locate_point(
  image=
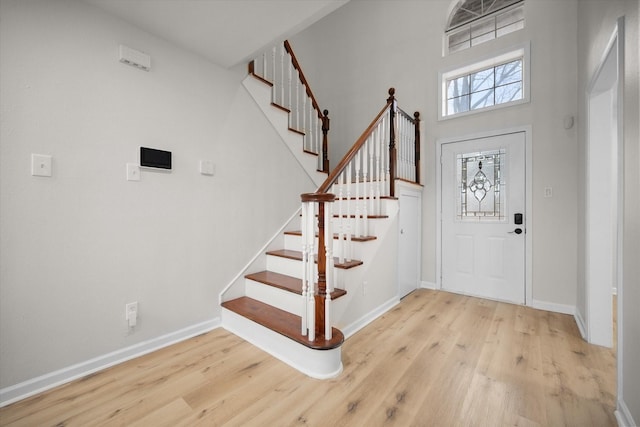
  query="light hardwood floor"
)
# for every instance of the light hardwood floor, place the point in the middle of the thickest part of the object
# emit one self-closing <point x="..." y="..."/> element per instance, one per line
<point x="436" y="359"/>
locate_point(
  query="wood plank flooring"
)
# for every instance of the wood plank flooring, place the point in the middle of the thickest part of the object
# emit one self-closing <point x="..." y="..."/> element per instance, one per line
<point x="436" y="359"/>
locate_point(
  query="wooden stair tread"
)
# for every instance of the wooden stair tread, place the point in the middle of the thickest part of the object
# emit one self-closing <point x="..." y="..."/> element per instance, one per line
<point x="287" y="283"/>
<point x="335" y="236"/>
<point x="282" y="322"/>
<point x="297" y="255"/>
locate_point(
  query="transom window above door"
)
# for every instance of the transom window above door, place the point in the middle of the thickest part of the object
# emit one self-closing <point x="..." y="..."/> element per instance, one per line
<point x="473" y="22"/>
<point x="496" y="82"/>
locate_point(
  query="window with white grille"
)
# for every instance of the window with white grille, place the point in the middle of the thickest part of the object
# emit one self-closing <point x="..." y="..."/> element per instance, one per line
<point x="477" y="21"/>
<point x="493" y="83"/>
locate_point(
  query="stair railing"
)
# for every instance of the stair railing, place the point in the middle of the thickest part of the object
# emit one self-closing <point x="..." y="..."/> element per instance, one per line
<point x="365" y="175"/>
<point x="292" y="93"/>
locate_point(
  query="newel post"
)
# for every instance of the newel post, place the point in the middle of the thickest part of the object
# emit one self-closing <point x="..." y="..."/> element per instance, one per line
<point x="320" y="293"/>
<point x="325" y="141"/>
<point x="416" y="116"/>
<point x="392" y="142"/>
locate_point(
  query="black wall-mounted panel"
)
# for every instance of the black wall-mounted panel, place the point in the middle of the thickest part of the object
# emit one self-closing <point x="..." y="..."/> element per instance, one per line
<point x="152" y="158"/>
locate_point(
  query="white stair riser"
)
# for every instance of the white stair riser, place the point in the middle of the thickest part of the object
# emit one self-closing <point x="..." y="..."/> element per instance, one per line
<point x="316" y="364"/>
<point x="294" y="242"/>
<point x="284" y="300"/>
<point x="290" y="267"/>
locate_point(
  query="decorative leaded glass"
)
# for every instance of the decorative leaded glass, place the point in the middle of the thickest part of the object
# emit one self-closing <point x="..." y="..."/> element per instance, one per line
<point x="481" y="186"/>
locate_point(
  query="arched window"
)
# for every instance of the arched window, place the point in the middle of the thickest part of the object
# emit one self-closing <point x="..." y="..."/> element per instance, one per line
<point x="472" y="22"/>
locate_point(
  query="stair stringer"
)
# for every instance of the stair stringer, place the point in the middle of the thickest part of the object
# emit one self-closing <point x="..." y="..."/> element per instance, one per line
<point x="236" y="287"/>
<point x="279" y="119"/>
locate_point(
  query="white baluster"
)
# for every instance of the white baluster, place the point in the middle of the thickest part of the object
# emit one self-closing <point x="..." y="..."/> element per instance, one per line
<point x="341" y="222"/>
<point x="379" y="130"/>
<point x="372" y="201"/>
<point x="304" y="118"/>
<point x="311" y="303"/>
<point x="273" y="65"/>
<point x="383" y="152"/>
<point x="347" y="245"/>
<point x="305" y="265"/>
<point x="388" y="154"/>
<point x="328" y="233"/>
<point x="297" y="109"/>
<point x="358" y="221"/>
<point x="282" y="53"/>
<point x="264" y="66"/>
<point x="290" y="83"/>
<point x="365" y="173"/>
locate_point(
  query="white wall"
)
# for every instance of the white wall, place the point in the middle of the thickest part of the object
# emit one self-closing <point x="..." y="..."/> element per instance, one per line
<point x="74" y="248"/>
<point x="354" y="55"/>
<point x="597" y="20"/>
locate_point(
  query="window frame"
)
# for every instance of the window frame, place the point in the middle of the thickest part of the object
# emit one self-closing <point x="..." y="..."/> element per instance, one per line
<point x="493" y="16"/>
<point x="510" y="55"/>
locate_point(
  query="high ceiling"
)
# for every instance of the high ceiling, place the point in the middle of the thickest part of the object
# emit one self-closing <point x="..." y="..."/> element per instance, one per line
<point x="226" y="32"/>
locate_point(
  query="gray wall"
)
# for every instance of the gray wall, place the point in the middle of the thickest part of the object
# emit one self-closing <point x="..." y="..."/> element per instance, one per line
<point x="597" y="20"/>
<point x="74" y="248"/>
<point x="354" y="55"/>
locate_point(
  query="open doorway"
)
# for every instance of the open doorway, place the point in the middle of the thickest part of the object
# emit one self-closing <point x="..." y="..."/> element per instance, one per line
<point x="603" y="195"/>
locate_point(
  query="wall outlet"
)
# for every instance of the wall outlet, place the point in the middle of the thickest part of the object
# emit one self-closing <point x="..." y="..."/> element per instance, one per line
<point x="131" y="313"/>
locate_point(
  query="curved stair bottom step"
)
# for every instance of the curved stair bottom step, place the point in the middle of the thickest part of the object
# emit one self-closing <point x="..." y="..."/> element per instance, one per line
<point x="319" y="364"/>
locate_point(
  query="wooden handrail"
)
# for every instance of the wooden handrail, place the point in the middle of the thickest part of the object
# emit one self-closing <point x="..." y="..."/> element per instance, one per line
<point x="357" y="146"/>
<point x="296" y="65"/>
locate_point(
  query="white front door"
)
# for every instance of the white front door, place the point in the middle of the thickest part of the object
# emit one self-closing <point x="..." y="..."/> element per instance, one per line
<point x="483" y="221"/>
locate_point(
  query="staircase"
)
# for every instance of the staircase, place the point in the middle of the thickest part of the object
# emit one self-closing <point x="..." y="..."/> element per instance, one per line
<point x="305" y="284"/>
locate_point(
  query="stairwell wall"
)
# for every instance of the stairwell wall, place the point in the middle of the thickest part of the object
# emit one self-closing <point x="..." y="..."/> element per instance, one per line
<point x="360" y="50"/>
<point x="76" y="247"/>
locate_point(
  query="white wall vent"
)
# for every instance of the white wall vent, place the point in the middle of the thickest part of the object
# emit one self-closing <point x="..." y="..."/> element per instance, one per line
<point x="135" y="58"/>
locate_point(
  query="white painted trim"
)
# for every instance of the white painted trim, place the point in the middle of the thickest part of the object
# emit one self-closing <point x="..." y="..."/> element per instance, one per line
<point x="530" y="220"/>
<point x="354" y="327"/>
<point x="592" y="302"/>
<point x="522" y="50"/>
<point x="623" y="415"/>
<point x="53" y="379"/>
<point x="580" y="322"/>
<point x="555" y="307"/>
<point x="614" y="290"/>
<point x="428" y="285"/>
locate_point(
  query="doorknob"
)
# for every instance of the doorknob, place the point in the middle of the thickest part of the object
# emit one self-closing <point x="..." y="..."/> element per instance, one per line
<point x="517" y="231"/>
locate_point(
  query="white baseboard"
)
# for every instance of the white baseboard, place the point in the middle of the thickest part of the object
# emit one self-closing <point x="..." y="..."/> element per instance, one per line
<point x="48" y="381"/>
<point x="428" y="285"/>
<point x="623" y="415"/>
<point x="369" y="317"/>
<point x="581" y="325"/>
<point x="555" y="307"/>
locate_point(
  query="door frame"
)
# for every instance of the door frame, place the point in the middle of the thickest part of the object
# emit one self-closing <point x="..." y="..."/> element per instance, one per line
<point x="528" y="263"/>
<point x="411" y="190"/>
<point x="594" y="304"/>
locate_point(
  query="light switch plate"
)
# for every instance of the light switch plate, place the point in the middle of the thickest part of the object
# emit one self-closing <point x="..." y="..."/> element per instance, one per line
<point x="133" y="172"/>
<point x="40" y="165"/>
<point x="207" y="167"/>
